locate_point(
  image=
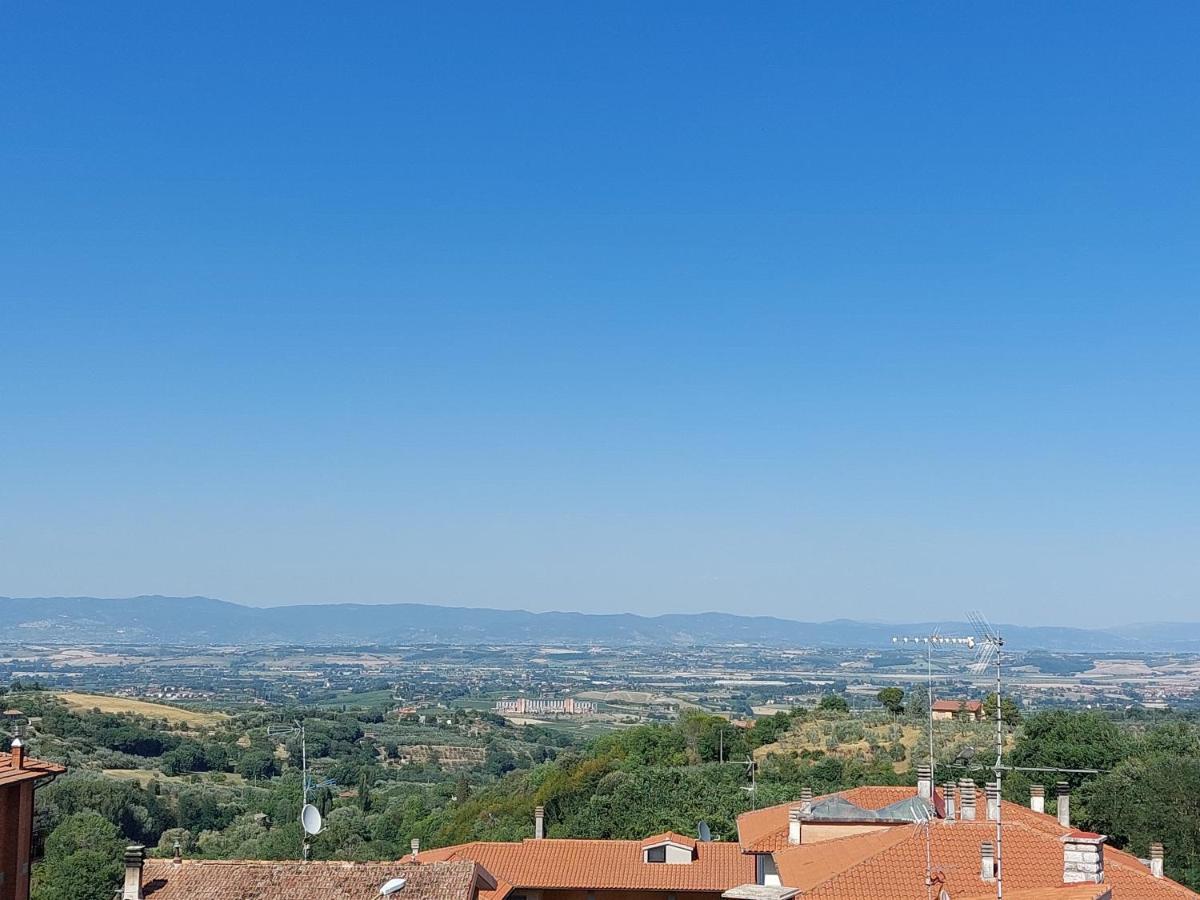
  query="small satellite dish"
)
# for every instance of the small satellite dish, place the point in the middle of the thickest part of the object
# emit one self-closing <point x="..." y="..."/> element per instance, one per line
<point x="393" y="886"/>
<point x="705" y="834"/>
<point x="310" y="819"/>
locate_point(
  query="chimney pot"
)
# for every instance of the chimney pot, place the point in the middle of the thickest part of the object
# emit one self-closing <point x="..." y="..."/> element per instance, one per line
<point x="1156" y="860"/>
<point x="135" y="858"/>
<point x="925" y="781"/>
<point x="415" y="846"/>
<point x="966" y="792"/>
<point x="539" y="822"/>
<point x="992" y="790"/>
<point x="794" y="815"/>
<point x="18" y="753"/>
<point x="1037" y="798"/>
<point x="948" y="794"/>
<point x="987" y="861"/>
<point x="1063" y="789"/>
<point x="1083" y="857"/>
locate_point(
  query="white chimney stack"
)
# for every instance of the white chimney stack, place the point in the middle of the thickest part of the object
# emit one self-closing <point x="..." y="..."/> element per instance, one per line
<point x="415" y="846"/>
<point x="1156" y="860"/>
<point x="1083" y="857"/>
<point x="1063" y="789"/>
<point x="948" y="794"/>
<point x="966" y="795"/>
<point x="794" y="815"/>
<point x="539" y="822"/>
<point x="993" y="801"/>
<point x="987" y="861"/>
<point x="135" y="858"/>
<point x="925" y="781"/>
<point x="1037" y="798"/>
<point x="806" y="798"/>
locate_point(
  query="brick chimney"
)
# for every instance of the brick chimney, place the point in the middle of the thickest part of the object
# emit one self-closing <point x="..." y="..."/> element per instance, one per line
<point x="925" y="781"/>
<point x="1083" y="857"/>
<point x="1156" y="860"/>
<point x="135" y="858"/>
<point x="539" y="822"/>
<point x="17" y="760"/>
<point x="1063" y="789"/>
<point x="1037" y="798"/>
<point x="987" y="861"/>
<point x="966" y="793"/>
<point x="806" y="801"/>
<point x="948" y="794"/>
<point x="795" y="814"/>
<point x="993" y="800"/>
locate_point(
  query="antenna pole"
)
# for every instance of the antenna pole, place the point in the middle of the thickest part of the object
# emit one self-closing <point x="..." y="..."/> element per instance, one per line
<point x="999" y="774"/>
<point x="929" y="684"/>
<point x="303" y="788"/>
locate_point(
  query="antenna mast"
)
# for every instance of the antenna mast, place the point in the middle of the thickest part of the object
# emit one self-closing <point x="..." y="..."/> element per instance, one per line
<point x="990" y="648"/>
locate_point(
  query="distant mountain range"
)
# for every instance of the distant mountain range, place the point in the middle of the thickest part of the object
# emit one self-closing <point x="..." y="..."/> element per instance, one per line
<point x="203" y="620"/>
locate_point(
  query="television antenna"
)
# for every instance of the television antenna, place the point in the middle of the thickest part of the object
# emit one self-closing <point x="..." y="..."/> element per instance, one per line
<point x="936" y="639"/>
<point x="310" y="816"/>
<point x="751" y="770"/>
<point x="990" y="649"/>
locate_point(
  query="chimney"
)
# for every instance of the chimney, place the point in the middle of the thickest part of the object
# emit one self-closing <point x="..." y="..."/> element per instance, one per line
<point x="806" y="802"/>
<point x="987" y="861"/>
<point x="1156" y="860"/>
<point x="1037" y="798"/>
<point x="794" y="815"/>
<point x="539" y="822"/>
<point x="415" y="846"/>
<point x="1063" y="789"/>
<point x="177" y="856"/>
<point x="1083" y="857"/>
<point x="925" y="781"/>
<point x="993" y="800"/>
<point x="966" y="793"/>
<point x="135" y="857"/>
<point x="18" y="754"/>
<point x="948" y="793"/>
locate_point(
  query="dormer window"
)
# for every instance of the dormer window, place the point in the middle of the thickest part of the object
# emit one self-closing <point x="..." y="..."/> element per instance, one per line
<point x="669" y="848"/>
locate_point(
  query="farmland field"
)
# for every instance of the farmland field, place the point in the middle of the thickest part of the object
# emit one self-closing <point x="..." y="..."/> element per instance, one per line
<point x="174" y="714"/>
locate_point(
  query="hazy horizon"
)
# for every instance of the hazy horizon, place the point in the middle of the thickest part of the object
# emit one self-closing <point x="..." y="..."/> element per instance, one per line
<point x="807" y="311"/>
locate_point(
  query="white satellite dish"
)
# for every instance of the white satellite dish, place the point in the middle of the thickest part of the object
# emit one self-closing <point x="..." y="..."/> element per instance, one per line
<point x="392" y="886"/>
<point x="310" y="819"/>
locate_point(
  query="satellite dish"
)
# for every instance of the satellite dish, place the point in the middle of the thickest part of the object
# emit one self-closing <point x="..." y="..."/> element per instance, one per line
<point x="393" y="886"/>
<point x="705" y="834"/>
<point x="310" y="819"/>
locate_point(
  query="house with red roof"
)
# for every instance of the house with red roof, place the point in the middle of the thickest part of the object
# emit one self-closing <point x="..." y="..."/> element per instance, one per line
<point x="19" y="776"/>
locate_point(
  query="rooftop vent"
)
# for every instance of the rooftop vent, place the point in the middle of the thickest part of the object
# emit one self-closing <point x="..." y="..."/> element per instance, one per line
<point x="392" y="886"/>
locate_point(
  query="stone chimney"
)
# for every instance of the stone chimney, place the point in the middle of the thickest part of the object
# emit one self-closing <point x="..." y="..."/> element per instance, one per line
<point x="795" y="813"/>
<point x="539" y="822"/>
<point x="987" y="861"/>
<point x="415" y="846"/>
<point x="948" y="794"/>
<point x="993" y="800"/>
<point x="806" y="801"/>
<point x="135" y="858"/>
<point x="1083" y="857"/>
<point x="1037" y="798"/>
<point x="966" y="794"/>
<point x="1156" y="860"/>
<point x="925" y="781"/>
<point x="18" y="754"/>
<point x="1063" y="789"/>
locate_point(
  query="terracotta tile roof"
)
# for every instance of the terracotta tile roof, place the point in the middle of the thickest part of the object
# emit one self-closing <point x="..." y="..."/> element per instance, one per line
<point x="1062" y="892"/>
<point x="202" y="879"/>
<point x="33" y="769"/>
<point x="765" y="830"/>
<point x="563" y="864"/>
<point x="956" y="705"/>
<point x="670" y="837"/>
<point x="895" y="868"/>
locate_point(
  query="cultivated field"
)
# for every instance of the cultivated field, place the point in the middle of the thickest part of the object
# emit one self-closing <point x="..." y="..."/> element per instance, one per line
<point x="173" y="714"/>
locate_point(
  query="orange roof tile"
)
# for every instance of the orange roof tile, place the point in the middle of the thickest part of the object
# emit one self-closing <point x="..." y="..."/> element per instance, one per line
<point x="33" y="769"/>
<point x="204" y="879"/>
<point x="765" y="830"/>
<point x="671" y="837"/>
<point x="554" y="863"/>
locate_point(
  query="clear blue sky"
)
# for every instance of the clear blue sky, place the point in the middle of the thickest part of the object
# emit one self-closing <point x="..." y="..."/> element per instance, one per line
<point x="873" y="310"/>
